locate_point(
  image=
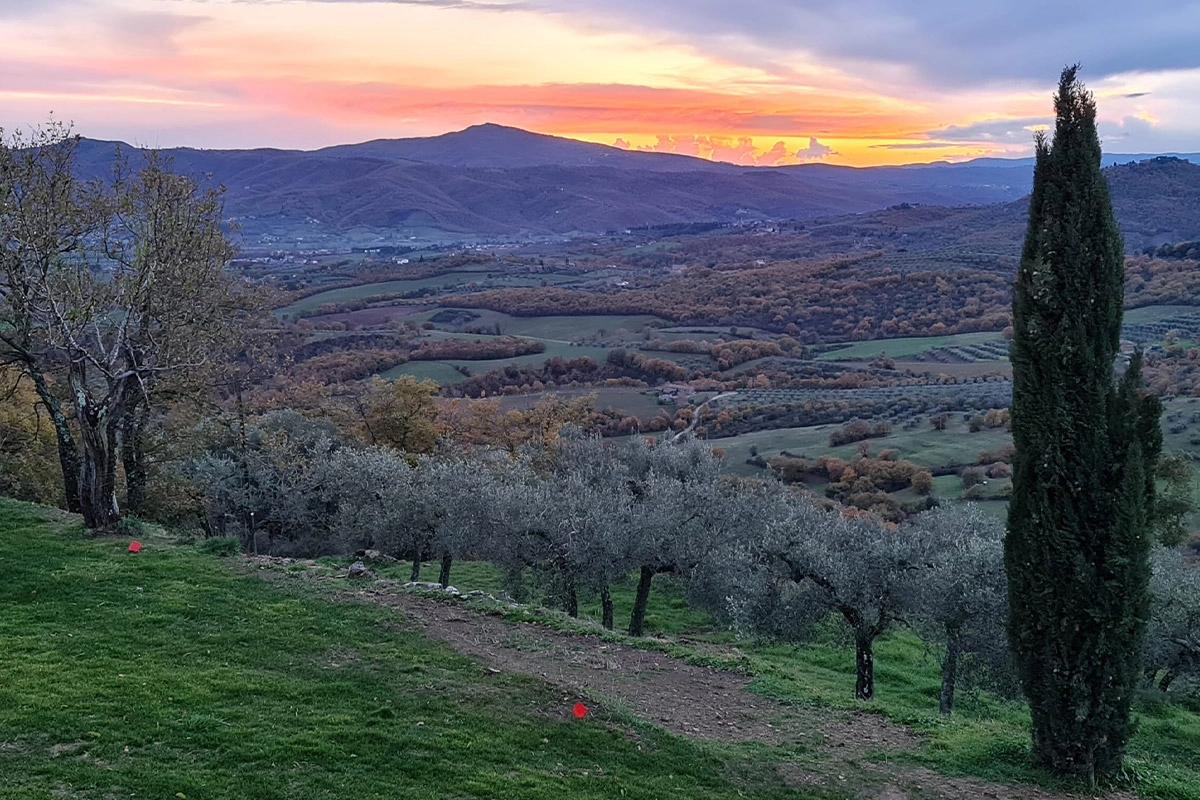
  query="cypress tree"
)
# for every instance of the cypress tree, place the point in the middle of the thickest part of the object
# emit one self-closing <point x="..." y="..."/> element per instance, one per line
<point x="1077" y="546"/>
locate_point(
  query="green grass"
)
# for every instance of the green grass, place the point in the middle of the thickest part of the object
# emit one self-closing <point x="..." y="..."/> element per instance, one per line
<point x="449" y="280"/>
<point x="924" y="445"/>
<point x="563" y="328"/>
<point x="439" y="372"/>
<point x="444" y="372"/>
<point x="173" y="674"/>
<point x="1148" y="314"/>
<point x="639" y="403"/>
<point x="906" y="347"/>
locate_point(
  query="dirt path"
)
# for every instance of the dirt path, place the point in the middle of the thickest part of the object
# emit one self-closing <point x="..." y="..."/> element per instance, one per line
<point x="694" y="701"/>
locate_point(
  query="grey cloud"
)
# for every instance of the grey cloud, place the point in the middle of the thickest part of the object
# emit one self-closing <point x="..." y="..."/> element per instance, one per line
<point x="24" y="9"/>
<point x="940" y="42"/>
<point x="1015" y="130"/>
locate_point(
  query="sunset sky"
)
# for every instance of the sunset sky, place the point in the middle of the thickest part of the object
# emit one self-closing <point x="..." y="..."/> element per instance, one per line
<point x="754" y="81"/>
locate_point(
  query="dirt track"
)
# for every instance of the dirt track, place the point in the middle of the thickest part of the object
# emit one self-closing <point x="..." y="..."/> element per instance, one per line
<point x="694" y="701"/>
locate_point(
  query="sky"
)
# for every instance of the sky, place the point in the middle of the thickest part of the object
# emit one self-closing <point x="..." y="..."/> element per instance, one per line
<point x="766" y="82"/>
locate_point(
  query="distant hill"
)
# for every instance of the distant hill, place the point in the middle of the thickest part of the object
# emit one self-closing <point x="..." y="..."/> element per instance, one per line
<point x="493" y="180"/>
<point x="492" y="146"/>
<point x="1156" y="201"/>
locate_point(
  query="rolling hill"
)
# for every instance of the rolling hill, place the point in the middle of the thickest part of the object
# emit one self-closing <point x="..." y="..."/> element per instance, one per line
<point x="491" y="180"/>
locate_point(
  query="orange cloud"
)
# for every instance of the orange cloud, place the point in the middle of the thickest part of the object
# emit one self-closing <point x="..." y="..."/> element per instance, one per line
<point x="238" y="75"/>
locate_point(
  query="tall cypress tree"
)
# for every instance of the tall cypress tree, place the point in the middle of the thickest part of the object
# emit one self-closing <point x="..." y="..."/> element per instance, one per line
<point x="1078" y="537"/>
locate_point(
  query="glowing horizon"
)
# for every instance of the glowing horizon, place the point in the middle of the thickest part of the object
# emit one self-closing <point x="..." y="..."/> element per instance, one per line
<point x="711" y="83"/>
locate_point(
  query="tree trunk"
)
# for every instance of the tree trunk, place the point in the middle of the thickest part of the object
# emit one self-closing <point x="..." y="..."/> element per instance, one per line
<point x="68" y="453"/>
<point x="949" y="676"/>
<point x="416" y="568"/>
<point x="606" y="608"/>
<point x="864" y="684"/>
<point x="444" y="573"/>
<point x="637" y="620"/>
<point x="570" y="597"/>
<point x="98" y="467"/>
<point x="133" y="457"/>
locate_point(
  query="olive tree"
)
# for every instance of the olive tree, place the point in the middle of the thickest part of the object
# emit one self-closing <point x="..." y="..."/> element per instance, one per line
<point x="273" y="483"/>
<point x="678" y="512"/>
<point x="1173" y="632"/>
<point x="961" y="598"/>
<point x="563" y="511"/>
<point x="867" y="572"/>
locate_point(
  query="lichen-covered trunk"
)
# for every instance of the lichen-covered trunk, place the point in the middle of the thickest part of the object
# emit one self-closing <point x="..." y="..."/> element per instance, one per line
<point x="98" y="469"/>
<point x="68" y="453"/>
<point x="864" y="661"/>
<point x="637" y="620"/>
<point x="444" y="573"/>
<point x="606" y="608"/>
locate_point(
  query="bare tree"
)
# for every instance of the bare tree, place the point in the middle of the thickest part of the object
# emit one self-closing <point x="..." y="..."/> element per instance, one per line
<point x="42" y="223"/>
<point x="108" y="287"/>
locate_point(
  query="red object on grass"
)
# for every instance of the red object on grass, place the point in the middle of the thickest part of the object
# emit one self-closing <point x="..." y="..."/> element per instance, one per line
<point x="135" y="547"/>
<point x="579" y="710"/>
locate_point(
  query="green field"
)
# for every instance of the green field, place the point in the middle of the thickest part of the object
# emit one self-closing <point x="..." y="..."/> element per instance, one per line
<point x="633" y="402"/>
<point x="906" y="347"/>
<point x="1147" y="314"/>
<point x="924" y="445"/>
<point x="448" y="280"/>
<point x="441" y="373"/>
<point x="564" y="328"/>
<point x="444" y="373"/>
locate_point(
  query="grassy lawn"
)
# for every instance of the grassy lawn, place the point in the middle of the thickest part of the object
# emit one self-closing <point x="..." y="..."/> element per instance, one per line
<point x="172" y="674"/>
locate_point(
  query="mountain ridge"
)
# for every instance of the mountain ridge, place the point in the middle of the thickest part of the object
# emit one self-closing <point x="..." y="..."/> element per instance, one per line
<point x="492" y="180"/>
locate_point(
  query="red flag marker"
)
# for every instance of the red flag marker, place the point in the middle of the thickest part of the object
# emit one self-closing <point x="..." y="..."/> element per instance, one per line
<point x="135" y="547"/>
<point x="579" y="710"/>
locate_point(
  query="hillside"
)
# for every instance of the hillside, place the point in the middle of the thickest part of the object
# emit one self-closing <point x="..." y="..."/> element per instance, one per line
<point x="491" y="181"/>
<point x="1156" y="201"/>
<point x="177" y="673"/>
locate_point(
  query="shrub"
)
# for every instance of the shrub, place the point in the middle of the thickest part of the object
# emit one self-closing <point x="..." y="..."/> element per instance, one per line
<point x="973" y="476"/>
